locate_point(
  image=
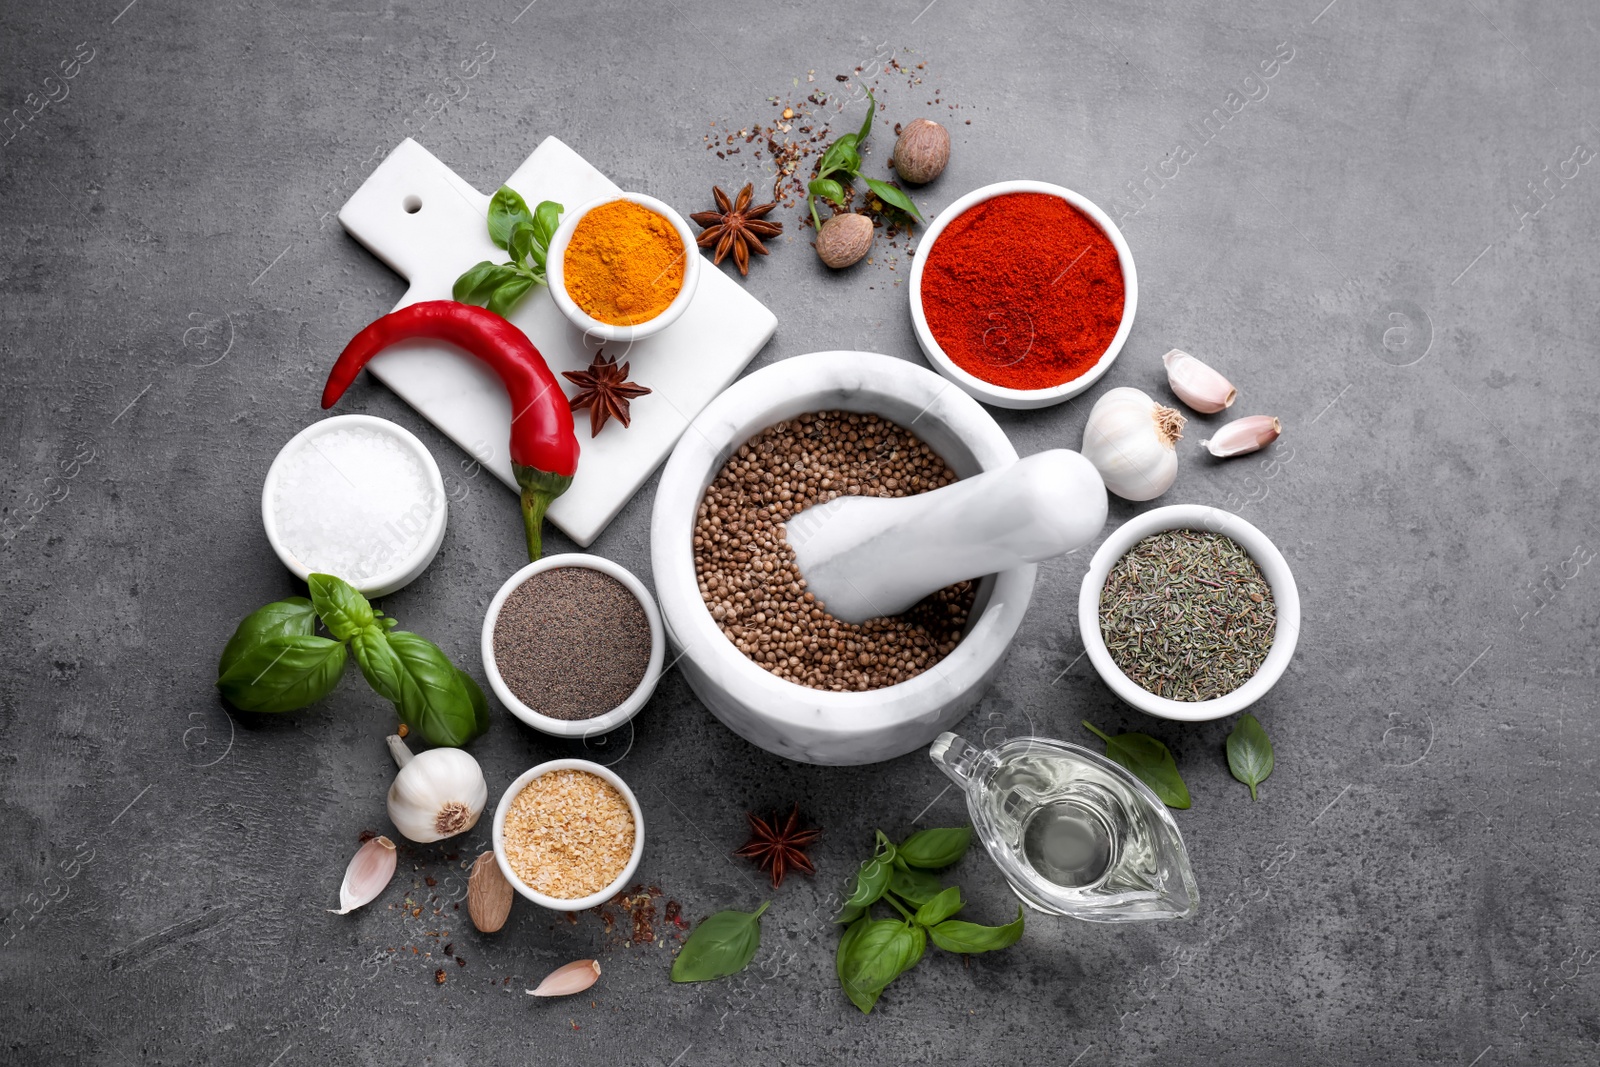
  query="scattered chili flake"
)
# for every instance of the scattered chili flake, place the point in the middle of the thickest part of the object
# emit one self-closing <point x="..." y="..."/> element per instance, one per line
<point x="460" y="961"/>
<point x="439" y="976"/>
<point x="366" y="835"/>
<point x="450" y="949"/>
<point x="430" y="880"/>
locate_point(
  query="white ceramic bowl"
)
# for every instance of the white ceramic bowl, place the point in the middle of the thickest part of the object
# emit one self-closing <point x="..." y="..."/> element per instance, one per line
<point x="813" y="725"/>
<point x="999" y="395"/>
<point x="555" y="264"/>
<point x="577" y="903"/>
<point x="599" y="724"/>
<point x="1285" y="595"/>
<point x="404" y="570"/>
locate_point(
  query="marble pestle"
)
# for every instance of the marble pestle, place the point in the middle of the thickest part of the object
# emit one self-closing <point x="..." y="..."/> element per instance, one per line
<point x="864" y="557"/>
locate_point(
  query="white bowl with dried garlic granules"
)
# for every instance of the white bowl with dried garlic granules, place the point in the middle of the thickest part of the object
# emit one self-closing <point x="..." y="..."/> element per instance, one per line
<point x="568" y="834"/>
<point x="827" y="727"/>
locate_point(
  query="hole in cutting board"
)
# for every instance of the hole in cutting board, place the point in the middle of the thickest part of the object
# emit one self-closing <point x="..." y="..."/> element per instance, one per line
<point x="412" y="204"/>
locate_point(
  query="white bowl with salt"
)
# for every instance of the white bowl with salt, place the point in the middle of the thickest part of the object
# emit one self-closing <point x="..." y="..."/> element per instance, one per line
<point x="357" y="497"/>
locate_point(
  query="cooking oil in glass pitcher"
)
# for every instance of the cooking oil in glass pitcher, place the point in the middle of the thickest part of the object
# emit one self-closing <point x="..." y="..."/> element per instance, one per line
<point x="1074" y="833"/>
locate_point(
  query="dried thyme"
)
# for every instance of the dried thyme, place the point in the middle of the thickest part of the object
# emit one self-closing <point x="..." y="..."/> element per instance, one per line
<point x="1187" y="615"/>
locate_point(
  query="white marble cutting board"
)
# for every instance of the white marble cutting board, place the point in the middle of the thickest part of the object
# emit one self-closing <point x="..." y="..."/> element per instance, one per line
<point x="417" y="216"/>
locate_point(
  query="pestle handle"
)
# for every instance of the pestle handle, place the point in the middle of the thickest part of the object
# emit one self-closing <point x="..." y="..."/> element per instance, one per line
<point x="865" y="557"/>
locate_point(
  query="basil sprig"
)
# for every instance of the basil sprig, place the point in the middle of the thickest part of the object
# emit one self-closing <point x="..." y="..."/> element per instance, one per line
<point x="523" y="233"/>
<point x="276" y="662"/>
<point x="721" y="945"/>
<point x="843" y="157"/>
<point x="1249" y="753"/>
<point x="873" y="952"/>
<point x="1150" y="761"/>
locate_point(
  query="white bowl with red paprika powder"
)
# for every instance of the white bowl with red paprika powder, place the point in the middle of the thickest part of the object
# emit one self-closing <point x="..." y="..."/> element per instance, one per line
<point x="1023" y="293"/>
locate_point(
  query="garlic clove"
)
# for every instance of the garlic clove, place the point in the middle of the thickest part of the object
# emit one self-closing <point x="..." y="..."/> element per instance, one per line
<point x="1196" y="384"/>
<point x="575" y="977"/>
<point x="436" y="794"/>
<point x="1129" y="438"/>
<point x="488" y="894"/>
<point x="1242" y="436"/>
<point x="370" y="870"/>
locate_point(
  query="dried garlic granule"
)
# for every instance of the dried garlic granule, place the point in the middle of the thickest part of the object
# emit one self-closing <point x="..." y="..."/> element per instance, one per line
<point x="568" y="834"/>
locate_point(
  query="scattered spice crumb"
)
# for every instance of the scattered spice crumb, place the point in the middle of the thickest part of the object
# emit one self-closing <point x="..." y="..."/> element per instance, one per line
<point x="439" y="976"/>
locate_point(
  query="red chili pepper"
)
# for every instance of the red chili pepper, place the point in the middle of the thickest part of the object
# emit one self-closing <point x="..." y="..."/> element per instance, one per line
<point x="544" y="448"/>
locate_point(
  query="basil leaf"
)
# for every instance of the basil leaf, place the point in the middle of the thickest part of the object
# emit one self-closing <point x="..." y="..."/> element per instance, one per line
<point x="883" y="950"/>
<point x="480" y="703"/>
<point x="474" y="286"/>
<point x="866" y="123"/>
<point x="546" y="220"/>
<point x="956" y="936"/>
<point x="522" y="244"/>
<point x="505" y="211"/>
<point x="933" y="849"/>
<point x="940" y="907"/>
<point x="828" y="189"/>
<point x="871" y="880"/>
<point x="914" y="886"/>
<point x="344" y="611"/>
<point x="721" y="945"/>
<point x="292" y="616"/>
<point x="506" y="297"/>
<point x="440" y="702"/>
<point x="1249" y="753"/>
<point x="1150" y="762"/>
<point x="851" y="932"/>
<point x="284" y="672"/>
<point x="841" y="155"/>
<point x="893" y="197"/>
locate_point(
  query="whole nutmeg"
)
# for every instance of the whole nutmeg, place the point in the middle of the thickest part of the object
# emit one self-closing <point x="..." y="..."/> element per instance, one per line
<point x="844" y="239"/>
<point x="921" y="151"/>
<point x="488" y="894"/>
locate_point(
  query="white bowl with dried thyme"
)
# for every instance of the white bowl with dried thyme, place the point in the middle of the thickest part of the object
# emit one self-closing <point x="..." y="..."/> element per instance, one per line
<point x="1189" y="613"/>
<point x="568" y="834"/>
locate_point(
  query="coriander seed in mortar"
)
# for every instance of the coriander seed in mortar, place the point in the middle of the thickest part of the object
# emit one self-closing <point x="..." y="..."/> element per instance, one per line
<point x="747" y="572"/>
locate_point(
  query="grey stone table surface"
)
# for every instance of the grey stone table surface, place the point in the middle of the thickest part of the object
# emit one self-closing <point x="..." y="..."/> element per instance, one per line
<point x="1388" y="242"/>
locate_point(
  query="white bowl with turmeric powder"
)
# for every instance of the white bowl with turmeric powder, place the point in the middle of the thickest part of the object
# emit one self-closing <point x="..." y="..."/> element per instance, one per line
<point x="568" y="834"/>
<point x="623" y="267"/>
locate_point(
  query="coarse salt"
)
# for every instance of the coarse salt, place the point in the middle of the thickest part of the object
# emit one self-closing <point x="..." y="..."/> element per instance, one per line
<point x="353" y="502"/>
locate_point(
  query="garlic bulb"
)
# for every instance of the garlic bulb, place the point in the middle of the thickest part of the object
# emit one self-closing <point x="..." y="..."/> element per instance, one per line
<point x="1241" y="436"/>
<point x="370" y="870"/>
<point x="1196" y="384"/>
<point x="437" y="794"/>
<point x="1129" y="440"/>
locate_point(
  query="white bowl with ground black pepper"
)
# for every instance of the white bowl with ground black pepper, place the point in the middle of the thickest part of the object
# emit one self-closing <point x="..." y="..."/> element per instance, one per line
<point x="568" y="834"/>
<point x="834" y="697"/>
<point x="573" y="644"/>
<point x="1189" y="612"/>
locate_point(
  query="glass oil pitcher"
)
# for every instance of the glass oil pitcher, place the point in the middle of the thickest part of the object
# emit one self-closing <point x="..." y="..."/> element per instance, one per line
<point x="1074" y="833"/>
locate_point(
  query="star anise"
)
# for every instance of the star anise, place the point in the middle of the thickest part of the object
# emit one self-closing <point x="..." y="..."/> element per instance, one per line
<point x="605" y="390"/>
<point x="736" y="227"/>
<point x="778" y="845"/>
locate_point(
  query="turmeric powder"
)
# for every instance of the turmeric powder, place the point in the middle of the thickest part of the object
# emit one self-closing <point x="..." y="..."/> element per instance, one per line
<point x="624" y="263"/>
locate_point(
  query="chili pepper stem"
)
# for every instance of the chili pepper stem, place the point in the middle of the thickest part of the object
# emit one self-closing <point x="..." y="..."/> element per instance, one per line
<point x="539" y="488"/>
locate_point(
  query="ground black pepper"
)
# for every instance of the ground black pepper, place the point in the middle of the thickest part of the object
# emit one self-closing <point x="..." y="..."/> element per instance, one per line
<point x="572" y="642"/>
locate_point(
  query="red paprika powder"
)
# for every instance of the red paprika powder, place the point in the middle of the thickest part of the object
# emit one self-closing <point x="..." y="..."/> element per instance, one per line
<point x="1023" y="290"/>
